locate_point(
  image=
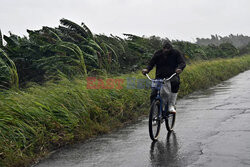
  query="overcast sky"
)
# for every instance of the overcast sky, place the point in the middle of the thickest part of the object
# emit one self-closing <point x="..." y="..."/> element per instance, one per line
<point x="175" y="19"/>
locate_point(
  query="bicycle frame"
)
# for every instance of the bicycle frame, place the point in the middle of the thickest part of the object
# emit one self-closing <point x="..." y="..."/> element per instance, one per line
<point x="157" y="84"/>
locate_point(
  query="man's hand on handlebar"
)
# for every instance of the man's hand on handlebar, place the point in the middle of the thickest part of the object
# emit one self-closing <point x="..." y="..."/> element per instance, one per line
<point x="178" y="71"/>
<point x="144" y="71"/>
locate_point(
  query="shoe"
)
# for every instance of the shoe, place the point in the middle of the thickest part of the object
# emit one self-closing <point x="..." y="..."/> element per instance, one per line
<point x="172" y="111"/>
<point x="171" y="102"/>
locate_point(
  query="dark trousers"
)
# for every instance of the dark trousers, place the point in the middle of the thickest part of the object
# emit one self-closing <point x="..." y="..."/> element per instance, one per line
<point x="175" y="85"/>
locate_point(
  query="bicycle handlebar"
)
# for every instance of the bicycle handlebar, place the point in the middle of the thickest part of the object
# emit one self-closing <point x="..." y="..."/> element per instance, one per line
<point x="165" y="79"/>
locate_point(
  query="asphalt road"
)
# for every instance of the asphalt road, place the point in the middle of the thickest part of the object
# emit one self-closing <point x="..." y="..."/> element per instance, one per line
<point x="212" y="129"/>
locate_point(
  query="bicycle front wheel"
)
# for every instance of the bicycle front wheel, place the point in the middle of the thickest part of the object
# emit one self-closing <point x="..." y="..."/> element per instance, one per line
<point x="154" y="120"/>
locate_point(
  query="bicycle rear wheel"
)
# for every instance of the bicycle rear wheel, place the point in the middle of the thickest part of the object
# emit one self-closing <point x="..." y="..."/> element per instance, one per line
<point x="154" y="120"/>
<point x="170" y="121"/>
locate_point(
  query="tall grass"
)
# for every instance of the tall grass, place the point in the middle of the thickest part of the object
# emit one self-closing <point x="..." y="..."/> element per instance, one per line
<point x="201" y="75"/>
<point x="42" y="118"/>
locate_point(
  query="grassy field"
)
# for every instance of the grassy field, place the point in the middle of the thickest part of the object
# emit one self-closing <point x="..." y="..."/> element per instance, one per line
<point x="43" y="118"/>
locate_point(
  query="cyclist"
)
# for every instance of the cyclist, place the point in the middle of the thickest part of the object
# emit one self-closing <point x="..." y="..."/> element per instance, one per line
<point x="167" y="61"/>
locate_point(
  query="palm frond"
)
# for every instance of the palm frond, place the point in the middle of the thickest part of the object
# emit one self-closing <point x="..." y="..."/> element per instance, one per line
<point x="112" y="50"/>
<point x="10" y="40"/>
<point x="90" y="35"/>
<point x="14" y="79"/>
<point x="74" y="26"/>
<point x="52" y="32"/>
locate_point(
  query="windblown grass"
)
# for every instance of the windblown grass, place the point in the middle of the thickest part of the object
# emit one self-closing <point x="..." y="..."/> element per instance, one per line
<point x="201" y="75"/>
<point x="42" y="118"/>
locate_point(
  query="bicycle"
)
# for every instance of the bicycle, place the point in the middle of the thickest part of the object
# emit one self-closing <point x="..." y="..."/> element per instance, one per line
<point x="157" y="115"/>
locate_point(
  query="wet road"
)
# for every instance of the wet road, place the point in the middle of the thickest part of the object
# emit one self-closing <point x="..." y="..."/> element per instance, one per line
<point x="212" y="129"/>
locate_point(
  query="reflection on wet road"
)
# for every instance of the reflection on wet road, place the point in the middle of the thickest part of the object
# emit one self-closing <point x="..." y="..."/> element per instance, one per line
<point x="212" y="129"/>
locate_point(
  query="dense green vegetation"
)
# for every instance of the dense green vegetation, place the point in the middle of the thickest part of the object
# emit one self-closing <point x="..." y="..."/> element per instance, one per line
<point x="43" y="118"/>
<point x="71" y="49"/>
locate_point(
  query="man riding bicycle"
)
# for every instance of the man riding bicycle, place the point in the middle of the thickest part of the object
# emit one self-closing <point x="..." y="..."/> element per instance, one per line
<point x="167" y="61"/>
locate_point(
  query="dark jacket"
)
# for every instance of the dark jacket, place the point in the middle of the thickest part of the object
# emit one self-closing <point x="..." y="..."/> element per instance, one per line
<point x="166" y="63"/>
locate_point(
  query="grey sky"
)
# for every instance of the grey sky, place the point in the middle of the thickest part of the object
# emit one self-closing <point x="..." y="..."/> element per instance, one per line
<point x="176" y="19"/>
